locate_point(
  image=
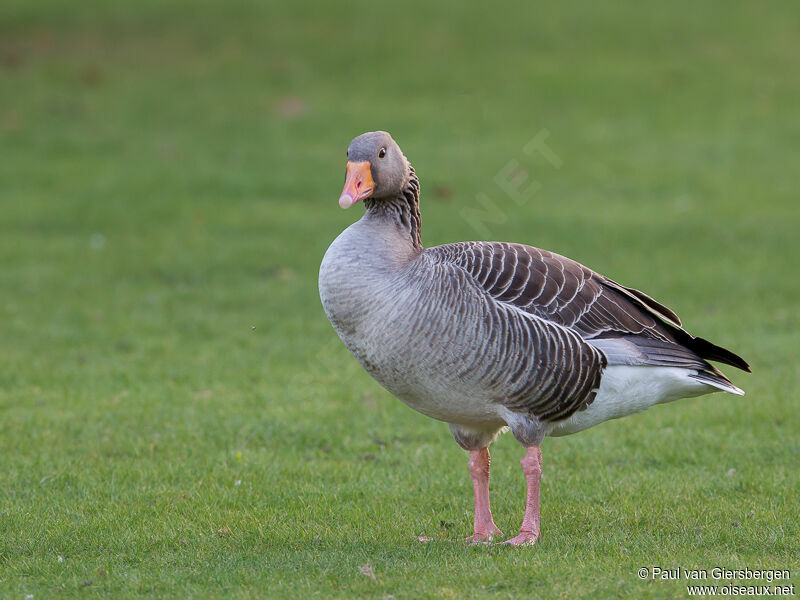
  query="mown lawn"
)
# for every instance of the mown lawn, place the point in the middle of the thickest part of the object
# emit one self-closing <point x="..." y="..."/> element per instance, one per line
<point x="177" y="417"/>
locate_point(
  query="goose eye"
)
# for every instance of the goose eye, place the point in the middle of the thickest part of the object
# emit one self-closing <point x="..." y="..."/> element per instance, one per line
<point x="381" y="152"/>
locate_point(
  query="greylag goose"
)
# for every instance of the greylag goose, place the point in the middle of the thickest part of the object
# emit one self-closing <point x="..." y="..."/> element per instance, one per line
<point x="488" y="335"/>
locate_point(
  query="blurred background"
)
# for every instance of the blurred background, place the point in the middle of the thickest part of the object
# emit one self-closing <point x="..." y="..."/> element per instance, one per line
<point x="169" y="175"/>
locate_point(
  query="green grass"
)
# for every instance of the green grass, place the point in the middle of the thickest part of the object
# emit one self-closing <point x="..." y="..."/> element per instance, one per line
<point x="177" y="417"/>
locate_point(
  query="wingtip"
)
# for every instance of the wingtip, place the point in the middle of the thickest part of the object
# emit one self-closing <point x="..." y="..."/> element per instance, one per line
<point x="710" y="351"/>
<point x="740" y="363"/>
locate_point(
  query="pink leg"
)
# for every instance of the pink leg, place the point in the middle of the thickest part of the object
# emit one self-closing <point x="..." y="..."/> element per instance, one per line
<point x="485" y="529"/>
<point x="532" y="467"/>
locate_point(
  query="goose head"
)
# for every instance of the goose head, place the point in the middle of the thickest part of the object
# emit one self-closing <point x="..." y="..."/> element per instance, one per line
<point x="376" y="168"/>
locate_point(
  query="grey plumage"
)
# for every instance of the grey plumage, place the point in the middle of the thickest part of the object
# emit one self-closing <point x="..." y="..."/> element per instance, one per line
<point x="487" y="334"/>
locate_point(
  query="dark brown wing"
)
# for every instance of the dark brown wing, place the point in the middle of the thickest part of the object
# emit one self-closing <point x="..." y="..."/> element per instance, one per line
<point x="563" y="291"/>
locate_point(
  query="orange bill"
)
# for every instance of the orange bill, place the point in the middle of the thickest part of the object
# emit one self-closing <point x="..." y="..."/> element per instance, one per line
<point x="358" y="183"/>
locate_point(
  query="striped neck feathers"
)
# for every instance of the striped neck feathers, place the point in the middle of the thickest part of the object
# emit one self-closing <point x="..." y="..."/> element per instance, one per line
<point x="403" y="210"/>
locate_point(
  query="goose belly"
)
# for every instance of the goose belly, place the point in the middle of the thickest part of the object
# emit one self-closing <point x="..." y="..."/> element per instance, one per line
<point x="450" y="406"/>
<point x="422" y="383"/>
<point x="625" y="390"/>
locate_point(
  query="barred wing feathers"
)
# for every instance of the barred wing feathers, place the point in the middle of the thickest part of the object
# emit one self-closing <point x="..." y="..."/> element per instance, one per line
<point x="629" y="326"/>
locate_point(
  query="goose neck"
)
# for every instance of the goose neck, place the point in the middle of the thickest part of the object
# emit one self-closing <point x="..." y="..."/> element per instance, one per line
<point x="402" y="210"/>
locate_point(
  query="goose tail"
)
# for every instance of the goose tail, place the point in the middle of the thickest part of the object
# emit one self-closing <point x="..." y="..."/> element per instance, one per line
<point x="721" y="383"/>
